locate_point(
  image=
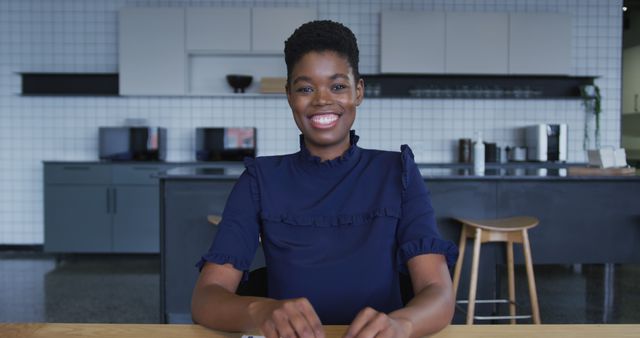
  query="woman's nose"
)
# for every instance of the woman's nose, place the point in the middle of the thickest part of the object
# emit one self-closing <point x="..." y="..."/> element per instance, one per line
<point x="322" y="97"/>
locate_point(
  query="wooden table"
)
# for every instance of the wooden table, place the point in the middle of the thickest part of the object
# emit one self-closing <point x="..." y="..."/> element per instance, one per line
<point x="196" y="331"/>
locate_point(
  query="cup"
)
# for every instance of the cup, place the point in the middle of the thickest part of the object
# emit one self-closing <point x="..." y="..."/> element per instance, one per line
<point x="464" y="150"/>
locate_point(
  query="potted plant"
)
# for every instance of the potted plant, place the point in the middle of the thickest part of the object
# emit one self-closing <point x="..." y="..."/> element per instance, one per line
<point x="591" y="101"/>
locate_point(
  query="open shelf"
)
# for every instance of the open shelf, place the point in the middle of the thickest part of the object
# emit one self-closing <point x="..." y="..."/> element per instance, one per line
<point x="449" y="86"/>
<point x="417" y="86"/>
<point x="70" y="84"/>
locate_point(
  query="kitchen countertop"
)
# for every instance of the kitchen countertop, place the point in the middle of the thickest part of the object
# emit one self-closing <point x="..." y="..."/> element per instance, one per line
<point x="429" y="171"/>
<point x="36" y="330"/>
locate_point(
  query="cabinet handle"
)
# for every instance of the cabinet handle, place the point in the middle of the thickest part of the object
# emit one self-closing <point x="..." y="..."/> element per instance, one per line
<point x="146" y="168"/>
<point x="115" y="201"/>
<point x="108" y="200"/>
<point x="77" y="168"/>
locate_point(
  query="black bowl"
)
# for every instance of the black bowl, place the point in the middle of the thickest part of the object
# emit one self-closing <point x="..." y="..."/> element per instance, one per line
<point x="239" y="82"/>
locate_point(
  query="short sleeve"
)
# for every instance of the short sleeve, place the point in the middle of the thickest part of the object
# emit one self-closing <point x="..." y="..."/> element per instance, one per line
<point x="236" y="240"/>
<point x="417" y="231"/>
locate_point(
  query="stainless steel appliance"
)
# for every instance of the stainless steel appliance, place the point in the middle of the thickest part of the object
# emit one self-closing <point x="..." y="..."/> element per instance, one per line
<point x="516" y="154"/>
<point x="132" y="143"/>
<point x="547" y="142"/>
<point x="225" y="144"/>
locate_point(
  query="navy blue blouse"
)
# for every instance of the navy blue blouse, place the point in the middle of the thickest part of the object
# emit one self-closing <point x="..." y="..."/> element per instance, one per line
<point x="336" y="232"/>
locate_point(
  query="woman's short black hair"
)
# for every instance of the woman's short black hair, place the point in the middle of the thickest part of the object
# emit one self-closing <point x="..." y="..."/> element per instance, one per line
<point x="320" y="36"/>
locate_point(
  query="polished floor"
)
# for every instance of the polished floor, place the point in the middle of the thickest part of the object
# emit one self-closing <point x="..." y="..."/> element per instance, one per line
<point x="35" y="287"/>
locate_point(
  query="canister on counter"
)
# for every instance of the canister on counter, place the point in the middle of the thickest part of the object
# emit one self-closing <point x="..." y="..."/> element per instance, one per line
<point x="464" y="150"/>
<point x="491" y="153"/>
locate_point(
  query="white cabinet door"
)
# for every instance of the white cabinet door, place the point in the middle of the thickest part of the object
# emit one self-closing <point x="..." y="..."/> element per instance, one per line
<point x="412" y="42"/>
<point x="271" y="26"/>
<point x="476" y="43"/>
<point x="152" y="55"/>
<point x="539" y="43"/>
<point x="219" y="29"/>
<point x="631" y="80"/>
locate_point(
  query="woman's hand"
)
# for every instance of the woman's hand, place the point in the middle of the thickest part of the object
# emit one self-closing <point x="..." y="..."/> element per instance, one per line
<point x="370" y="323"/>
<point x="291" y="318"/>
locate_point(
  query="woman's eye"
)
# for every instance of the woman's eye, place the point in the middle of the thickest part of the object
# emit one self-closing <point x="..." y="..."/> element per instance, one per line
<point x="304" y="90"/>
<point x="339" y="87"/>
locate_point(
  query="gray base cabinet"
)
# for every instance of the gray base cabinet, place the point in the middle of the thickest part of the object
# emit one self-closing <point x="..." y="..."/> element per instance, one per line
<point x="101" y="208"/>
<point x="76" y="218"/>
<point x="136" y="225"/>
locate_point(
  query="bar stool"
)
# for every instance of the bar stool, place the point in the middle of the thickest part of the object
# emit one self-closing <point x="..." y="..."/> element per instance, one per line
<point x="508" y="230"/>
<point x="214" y="219"/>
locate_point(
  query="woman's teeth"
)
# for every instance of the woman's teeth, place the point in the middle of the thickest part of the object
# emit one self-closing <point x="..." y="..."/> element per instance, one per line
<point x="324" y="119"/>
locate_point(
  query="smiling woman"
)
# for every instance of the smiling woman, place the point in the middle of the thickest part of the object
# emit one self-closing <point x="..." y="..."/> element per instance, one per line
<point x="323" y="95"/>
<point x="338" y="223"/>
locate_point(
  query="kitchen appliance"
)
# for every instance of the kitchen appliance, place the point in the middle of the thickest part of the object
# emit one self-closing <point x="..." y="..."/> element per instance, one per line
<point x="225" y="144"/>
<point x="516" y="154"/>
<point x="132" y="143"/>
<point x="547" y="142"/>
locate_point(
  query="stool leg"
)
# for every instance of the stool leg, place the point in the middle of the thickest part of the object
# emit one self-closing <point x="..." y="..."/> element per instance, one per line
<point x="533" y="295"/>
<point x="458" y="268"/>
<point x="511" y="281"/>
<point x="474" y="276"/>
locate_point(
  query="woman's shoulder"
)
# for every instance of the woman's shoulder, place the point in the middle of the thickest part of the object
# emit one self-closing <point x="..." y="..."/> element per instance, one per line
<point x="268" y="162"/>
<point x="404" y="154"/>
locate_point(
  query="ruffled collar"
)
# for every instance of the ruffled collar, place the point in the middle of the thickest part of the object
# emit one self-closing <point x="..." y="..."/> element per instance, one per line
<point x="346" y="157"/>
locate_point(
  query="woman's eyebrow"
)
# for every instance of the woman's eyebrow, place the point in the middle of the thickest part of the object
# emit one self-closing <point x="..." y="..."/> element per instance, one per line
<point x="301" y="78"/>
<point x="339" y="75"/>
<point x="308" y="79"/>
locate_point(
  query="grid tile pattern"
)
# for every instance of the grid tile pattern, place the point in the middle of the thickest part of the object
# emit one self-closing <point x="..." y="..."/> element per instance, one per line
<point x="81" y="36"/>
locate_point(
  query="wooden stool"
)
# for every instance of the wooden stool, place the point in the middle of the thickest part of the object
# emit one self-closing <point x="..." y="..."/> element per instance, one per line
<point x="509" y="230"/>
<point x="214" y="219"/>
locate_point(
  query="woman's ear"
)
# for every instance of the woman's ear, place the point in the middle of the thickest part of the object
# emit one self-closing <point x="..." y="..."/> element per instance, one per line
<point x="359" y="91"/>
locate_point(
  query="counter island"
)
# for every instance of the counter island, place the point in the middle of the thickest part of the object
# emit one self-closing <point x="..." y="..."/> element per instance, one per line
<point x="583" y="219"/>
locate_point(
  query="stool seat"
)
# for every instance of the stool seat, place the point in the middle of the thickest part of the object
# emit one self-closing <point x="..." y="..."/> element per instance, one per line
<point x="214" y="219"/>
<point x="506" y="230"/>
<point x="502" y="224"/>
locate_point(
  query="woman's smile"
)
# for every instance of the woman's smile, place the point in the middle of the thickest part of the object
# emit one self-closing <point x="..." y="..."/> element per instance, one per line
<point x="324" y="120"/>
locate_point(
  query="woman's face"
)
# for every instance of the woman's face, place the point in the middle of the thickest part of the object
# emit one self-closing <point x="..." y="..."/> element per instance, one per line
<point x="323" y="96"/>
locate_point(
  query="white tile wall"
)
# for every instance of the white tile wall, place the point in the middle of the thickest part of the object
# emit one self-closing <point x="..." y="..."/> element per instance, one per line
<point x="81" y="36"/>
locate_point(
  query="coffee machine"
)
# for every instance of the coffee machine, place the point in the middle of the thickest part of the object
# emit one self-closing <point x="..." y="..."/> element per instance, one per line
<point x="547" y="142"/>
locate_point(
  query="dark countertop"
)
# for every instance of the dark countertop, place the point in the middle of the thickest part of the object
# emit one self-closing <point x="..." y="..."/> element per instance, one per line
<point x="429" y="171"/>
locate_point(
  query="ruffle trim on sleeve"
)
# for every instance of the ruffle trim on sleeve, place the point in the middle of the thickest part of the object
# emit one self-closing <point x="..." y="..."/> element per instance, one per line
<point x="250" y="165"/>
<point x="406" y="155"/>
<point x="426" y="245"/>
<point x="218" y="258"/>
<point x="331" y="221"/>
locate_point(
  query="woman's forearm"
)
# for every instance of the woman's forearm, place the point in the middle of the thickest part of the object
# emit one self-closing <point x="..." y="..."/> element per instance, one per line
<point x="215" y="307"/>
<point x="429" y="311"/>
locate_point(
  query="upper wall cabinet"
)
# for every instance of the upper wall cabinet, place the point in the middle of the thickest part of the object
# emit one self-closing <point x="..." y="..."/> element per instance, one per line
<point x="219" y="29"/>
<point x="412" y="42"/>
<point x="476" y="43"/>
<point x="539" y="43"/>
<point x="271" y="26"/>
<point x="152" y="56"/>
<point x="184" y="51"/>
<point x="243" y="30"/>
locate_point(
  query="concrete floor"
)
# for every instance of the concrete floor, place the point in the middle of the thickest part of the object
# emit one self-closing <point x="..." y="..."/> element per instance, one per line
<point x="35" y="287"/>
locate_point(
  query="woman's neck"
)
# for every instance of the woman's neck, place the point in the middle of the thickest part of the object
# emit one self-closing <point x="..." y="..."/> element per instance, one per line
<point x="331" y="152"/>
